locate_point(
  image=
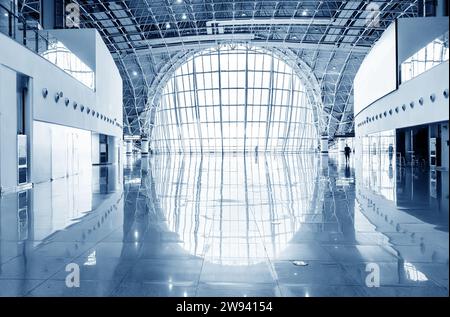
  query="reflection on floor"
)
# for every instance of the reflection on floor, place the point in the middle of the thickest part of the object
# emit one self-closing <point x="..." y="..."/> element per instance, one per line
<point x="296" y="225"/>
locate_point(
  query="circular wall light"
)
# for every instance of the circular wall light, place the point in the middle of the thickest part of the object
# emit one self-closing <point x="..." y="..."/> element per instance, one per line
<point x="385" y="113"/>
<point x="75" y="105"/>
<point x="445" y="93"/>
<point x="404" y="107"/>
<point x="66" y="101"/>
<point x="433" y="97"/>
<point x="411" y="104"/>
<point x="396" y="109"/>
<point x="82" y="108"/>
<point x="93" y="113"/>
<point x="57" y="97"/>
<point x="421" y="101"/>
<point x="390" y="112"/>
<point x="44" y="92"/>
<point x="88" y="110"/>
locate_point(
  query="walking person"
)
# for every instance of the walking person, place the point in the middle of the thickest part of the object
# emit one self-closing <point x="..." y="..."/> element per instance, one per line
<point x="391" y="153"/>
<point x="347" y="151"/>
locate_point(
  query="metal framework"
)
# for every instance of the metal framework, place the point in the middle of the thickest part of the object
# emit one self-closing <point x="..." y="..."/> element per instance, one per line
<point x="330" y="37"/>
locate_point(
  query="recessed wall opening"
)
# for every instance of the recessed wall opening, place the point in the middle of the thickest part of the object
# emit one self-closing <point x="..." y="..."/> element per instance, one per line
<point x="234" y="99"/>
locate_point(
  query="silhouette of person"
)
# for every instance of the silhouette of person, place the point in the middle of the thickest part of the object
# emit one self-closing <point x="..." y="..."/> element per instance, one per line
<point x="347" y="171"/>
<point x="347" y="151"/>
<point x="391" y="153"/>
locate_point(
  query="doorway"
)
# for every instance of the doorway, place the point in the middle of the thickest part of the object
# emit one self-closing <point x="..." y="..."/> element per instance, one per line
<point x="413" y="145"/>
<point x="103" y="148"/>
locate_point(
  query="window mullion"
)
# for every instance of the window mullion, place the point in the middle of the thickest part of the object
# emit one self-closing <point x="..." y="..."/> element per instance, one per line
<point x="269" y="103"/>
<point x="196" y="105"/>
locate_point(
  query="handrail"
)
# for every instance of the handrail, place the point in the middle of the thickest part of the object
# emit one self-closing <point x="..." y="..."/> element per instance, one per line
<point x="37" y="40"/>
<point x="26" y="27"/>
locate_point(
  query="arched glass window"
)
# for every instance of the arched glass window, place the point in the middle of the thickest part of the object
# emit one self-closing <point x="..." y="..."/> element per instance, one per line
<point x="234" y="99"/>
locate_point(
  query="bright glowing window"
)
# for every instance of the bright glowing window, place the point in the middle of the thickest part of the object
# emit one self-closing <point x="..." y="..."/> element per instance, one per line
<point x="62" y="57"/>
<point x="433" y="54"/>
<point x="234" y="99"/>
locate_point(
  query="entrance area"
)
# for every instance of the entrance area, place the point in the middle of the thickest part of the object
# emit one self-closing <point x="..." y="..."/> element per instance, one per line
<point x="424" y="145"/>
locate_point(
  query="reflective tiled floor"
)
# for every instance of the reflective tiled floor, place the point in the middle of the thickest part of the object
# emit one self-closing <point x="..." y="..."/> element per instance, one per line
<point x="295" y="225"/>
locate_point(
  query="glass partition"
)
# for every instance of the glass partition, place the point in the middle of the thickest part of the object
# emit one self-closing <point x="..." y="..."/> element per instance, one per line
<point x="433" y="54"/>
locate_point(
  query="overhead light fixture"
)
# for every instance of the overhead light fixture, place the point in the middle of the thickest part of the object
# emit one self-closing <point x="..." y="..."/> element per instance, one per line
<point x="179" y="1"/>
<point x="305" y="12"/>
<point x="184" y="16"/>
<point x="135" y="73"/>
<point x="167" y="25"/>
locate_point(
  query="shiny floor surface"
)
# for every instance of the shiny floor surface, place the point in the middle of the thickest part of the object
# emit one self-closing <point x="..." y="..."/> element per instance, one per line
<point x="296" y="225"/>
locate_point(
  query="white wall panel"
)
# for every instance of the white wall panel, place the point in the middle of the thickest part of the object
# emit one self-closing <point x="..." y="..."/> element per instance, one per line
<point x="433" y="82"/>
<point x="59" y="152"/>
<point x="8" y="129"/>
<point x="42" y="152"/>
<point x="50" y="153"/>
<point x="415" y="33"/>
<point x="95" y="148"/>
<point x="377" y="75"/>
<point x="106" y="99"/>
<point x="60" y="157"/>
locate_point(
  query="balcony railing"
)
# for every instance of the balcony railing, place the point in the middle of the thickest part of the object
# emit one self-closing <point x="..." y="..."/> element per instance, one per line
<point x="29" y="34"/>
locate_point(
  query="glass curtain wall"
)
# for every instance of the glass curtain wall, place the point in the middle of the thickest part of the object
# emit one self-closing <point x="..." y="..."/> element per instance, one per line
<point x="234" y="99"/>
<point x="433" y="54"/>
<point x="62" y="57"/>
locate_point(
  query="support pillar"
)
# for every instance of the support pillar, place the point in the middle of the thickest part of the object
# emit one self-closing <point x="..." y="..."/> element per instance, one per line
<point x="144" y="145"/>
<point x="52" y="14"/>
<point x="324" y="145"/>
<point x="144" y="164"/>
<point x="324" y="165"/>
<point x="129" y="147"/>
